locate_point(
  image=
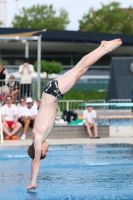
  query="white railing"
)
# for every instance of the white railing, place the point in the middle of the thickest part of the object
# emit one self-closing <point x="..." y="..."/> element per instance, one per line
<point x="72" y="105"/>
<point x="116" y="112"/>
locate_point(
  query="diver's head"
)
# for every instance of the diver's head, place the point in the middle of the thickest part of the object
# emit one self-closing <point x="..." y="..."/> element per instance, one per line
<point x="31" y="150"/>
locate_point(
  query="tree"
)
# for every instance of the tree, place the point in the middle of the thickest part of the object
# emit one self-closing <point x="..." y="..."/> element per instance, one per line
<point x="109" y="18"/>
<point x="49" y="67"/>
<point x="41" y="16"/>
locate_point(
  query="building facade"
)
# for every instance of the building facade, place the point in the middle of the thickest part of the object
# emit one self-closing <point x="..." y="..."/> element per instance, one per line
<point x="67" y="47"/>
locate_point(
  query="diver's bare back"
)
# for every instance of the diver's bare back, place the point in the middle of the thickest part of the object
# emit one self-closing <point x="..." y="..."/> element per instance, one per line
<point x="46" y="116"/>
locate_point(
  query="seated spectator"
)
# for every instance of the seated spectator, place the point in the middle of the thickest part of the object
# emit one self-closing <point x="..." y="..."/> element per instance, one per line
<point x="9" y="114"/>
<point x="13" y="88"/>
<point x="37" y="103"/>
<point x="28" y="116"/>
<point x="20" y="110"/>
<point x="89" y="121"/>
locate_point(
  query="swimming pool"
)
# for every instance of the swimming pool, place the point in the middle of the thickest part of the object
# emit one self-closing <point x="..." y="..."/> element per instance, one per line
<point x="70" y="172"/>
<point x="115" y="122"/>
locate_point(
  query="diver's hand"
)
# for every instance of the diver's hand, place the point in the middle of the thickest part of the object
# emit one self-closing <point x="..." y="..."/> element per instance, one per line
<point x="31" y="186"/>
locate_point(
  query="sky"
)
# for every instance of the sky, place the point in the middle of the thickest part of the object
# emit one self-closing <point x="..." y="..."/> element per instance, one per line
<point x="75" y="8"/>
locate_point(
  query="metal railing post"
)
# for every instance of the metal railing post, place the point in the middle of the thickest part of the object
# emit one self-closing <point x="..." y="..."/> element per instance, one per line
<point x="67" y="105"/>
<point x="26" y="49"/>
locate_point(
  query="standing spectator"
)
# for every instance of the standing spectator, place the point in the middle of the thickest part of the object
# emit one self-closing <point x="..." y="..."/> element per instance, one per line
<point x="89" y="117"/>
<point x="28" y="115"/>
<point x="4" y="91"/>
<point x="25" y="70"/>
<point x="20" y="110"/>
<point x="9" y="114"/>
<point x="13" y="88"/>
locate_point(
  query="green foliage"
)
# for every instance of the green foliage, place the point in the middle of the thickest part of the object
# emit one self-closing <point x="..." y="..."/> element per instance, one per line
<point x="84" y="95"/>
<point x="109" y="18"/>
<point x="41" y="16"/>
<point x="49" y="67"/>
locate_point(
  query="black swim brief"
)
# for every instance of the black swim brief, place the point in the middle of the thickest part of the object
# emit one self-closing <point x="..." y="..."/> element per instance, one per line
<point x="51" y="87"/>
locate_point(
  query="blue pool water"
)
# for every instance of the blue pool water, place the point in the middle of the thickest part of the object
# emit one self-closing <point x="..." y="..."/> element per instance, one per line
<point x="69" y="172"/>
<point x="115" y="122"/>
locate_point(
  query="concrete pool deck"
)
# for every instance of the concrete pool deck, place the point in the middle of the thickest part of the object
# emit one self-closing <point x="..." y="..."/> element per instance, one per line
<point x="123" y="134"/>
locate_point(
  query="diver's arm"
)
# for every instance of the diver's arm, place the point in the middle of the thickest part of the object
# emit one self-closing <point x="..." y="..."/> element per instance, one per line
<point x="35" y="167"/>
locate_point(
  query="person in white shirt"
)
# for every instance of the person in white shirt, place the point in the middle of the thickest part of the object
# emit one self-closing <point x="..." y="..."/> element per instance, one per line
<point x="20" y="110"/>
<point x="25" y="70"/>
<point x="28" y="115"/>
<point x="9" y="114"/>
<point x="89" y="117"/>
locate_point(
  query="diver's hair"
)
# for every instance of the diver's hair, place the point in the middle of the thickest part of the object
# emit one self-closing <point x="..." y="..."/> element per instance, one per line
<point x="31" y="152"/>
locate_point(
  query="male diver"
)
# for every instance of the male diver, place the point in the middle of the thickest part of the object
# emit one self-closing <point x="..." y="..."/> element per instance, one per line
<point x="53" y="90"/>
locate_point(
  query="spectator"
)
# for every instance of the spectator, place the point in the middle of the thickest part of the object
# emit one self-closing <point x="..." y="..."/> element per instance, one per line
<point x="25" y="70"/>
<point x="3" y="87"/>
<point x="28" y="116"/>
<point x="20" y="110"/>
<point x="13" y="88"/>
<point x="89" y="117"/>
<point x="9" y="114"/>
